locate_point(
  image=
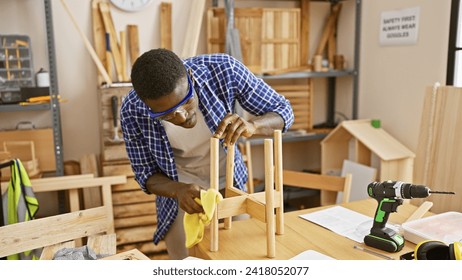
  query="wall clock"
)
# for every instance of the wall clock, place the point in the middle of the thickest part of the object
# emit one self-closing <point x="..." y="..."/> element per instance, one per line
<point x="131" y="5"/>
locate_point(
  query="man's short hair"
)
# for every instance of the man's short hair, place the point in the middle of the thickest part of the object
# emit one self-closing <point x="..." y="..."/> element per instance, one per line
<point x="156" y="73"/>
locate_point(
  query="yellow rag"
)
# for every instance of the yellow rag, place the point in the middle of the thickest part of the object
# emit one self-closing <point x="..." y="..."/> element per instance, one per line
<point x="194" y="224"/>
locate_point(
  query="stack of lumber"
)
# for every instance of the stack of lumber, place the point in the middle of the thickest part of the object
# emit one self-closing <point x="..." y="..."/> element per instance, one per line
<point x="134" y="211"/>
<point x="438" y="161"/>
<point x="116" y="50"/>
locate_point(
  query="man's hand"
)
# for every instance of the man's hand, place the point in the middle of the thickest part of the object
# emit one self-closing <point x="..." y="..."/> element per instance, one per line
<point x="186" y="195"/>
<point x="232" y="127"/>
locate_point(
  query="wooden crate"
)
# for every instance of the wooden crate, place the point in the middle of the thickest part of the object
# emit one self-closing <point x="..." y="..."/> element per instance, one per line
<point x="301" y="99"/>
<point x="269" y="37"/>
<point x="25" y="151"/>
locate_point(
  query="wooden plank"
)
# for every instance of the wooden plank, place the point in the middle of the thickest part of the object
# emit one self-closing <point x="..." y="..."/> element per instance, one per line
<point x="304" y="32"/>
<point x="99" y="41"/>
<point x="147" y="247"/>
<point x="144" y="220"/>
<point x="232" y="206"/>
<point x="438" y="161"/>
<point x="49" y="251"/>
<point x="130" y="185"/>
<point x="120" y="169"/>
<point x="123" y="55"/>
<point x="89" y="165"/>
<point x="301" y="98"/>
<point x="59" y="185"/>
<point x="328" y="28"/>
<point x="133" y="254"/>
<point x="130" y="197"/>
<point x="114" y="153"/>
<point x="131" y="210"/>
<point x="193" y="28"/>
<point x="332" y="41"/>
<point x="135" y="234"/>
<point x="91" y="196"/>
<point x="103" y="244"/>
<point x="109" y="27"/>
<point x="51" y="230"/>
<point x="166" y="25"/>
<point x="133" y="42"/>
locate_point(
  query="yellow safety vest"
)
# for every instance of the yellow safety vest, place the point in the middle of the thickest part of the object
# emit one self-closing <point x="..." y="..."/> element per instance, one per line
<point x="21" y="204"/>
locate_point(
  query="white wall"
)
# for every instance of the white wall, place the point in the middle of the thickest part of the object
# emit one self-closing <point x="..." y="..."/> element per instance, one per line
<point x="392" y="79"/>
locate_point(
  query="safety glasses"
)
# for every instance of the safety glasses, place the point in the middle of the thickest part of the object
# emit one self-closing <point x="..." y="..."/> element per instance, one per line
<point x="177" y="109"/>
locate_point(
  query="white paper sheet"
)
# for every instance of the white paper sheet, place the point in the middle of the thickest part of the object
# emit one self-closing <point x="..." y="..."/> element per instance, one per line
<point x="343" y="221"/>
<point x="311" y="255"/>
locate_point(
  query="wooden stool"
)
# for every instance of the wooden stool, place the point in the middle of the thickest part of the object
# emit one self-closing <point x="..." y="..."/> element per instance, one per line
<point x="261" y="205"/>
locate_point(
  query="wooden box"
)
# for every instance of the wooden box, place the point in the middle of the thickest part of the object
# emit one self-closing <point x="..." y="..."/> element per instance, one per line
<point x="43" y="144"/>
<point x="269" y="37"/>
<point x="25" y="151"/>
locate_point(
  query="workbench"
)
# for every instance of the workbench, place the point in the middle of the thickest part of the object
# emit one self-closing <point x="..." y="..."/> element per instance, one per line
<point x="246" y="240"/>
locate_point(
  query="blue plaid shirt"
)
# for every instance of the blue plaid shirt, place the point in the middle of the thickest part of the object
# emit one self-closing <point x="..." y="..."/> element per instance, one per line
<point x="219" y="81"/>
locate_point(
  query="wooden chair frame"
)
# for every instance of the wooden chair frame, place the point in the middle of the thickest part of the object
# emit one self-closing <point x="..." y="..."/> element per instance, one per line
<point x="61" y="230"/>
<point x="329" y="185"/>
<point x="262" y="205"/>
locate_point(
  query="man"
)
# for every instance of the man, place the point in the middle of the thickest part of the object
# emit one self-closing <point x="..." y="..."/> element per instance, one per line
<point x="167" y="121"/>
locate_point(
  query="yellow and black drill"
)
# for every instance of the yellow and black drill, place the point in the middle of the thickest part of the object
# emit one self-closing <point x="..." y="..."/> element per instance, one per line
<point x="390" y="195"/>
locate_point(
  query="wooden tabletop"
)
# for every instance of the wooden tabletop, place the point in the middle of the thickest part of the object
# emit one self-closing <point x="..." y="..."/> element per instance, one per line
<point x="246" y="240"/>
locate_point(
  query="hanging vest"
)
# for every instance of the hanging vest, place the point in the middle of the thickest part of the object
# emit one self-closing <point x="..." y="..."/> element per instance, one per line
<point x="20" y="204"/>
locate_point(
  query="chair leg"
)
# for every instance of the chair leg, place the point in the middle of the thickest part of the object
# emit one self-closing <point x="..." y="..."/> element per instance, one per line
<point x="229" y="179"/>
<point x="269" y="199"/>
<point x="214" y="182"/>
<point x="279" y="181"/>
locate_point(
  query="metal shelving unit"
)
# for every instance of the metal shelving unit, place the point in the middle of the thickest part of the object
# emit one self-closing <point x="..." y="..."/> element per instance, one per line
<point x="54" y="103"/>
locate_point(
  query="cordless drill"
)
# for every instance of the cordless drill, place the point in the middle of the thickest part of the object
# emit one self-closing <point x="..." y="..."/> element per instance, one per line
<point x="390" y="195"/>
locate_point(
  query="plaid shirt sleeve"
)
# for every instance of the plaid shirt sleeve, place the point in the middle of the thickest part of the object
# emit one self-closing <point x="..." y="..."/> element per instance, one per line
<point x="258" y="98"/>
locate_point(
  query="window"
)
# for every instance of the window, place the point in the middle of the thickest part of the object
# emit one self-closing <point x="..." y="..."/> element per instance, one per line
<point x="454" y="70"/>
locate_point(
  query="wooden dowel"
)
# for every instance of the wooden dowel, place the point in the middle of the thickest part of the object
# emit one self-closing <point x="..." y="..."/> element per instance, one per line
<point x="278" y="180"/>
<point x="166" y="25"/>
<point x="214" y="182"/>
<point x="123" y="54"/>
<point x="230" y="167"/>
<point x="229" y="179"/>
<point x="269" y="199"/>
<point x="248" y="153"/>
<point x="133" y="42"/>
